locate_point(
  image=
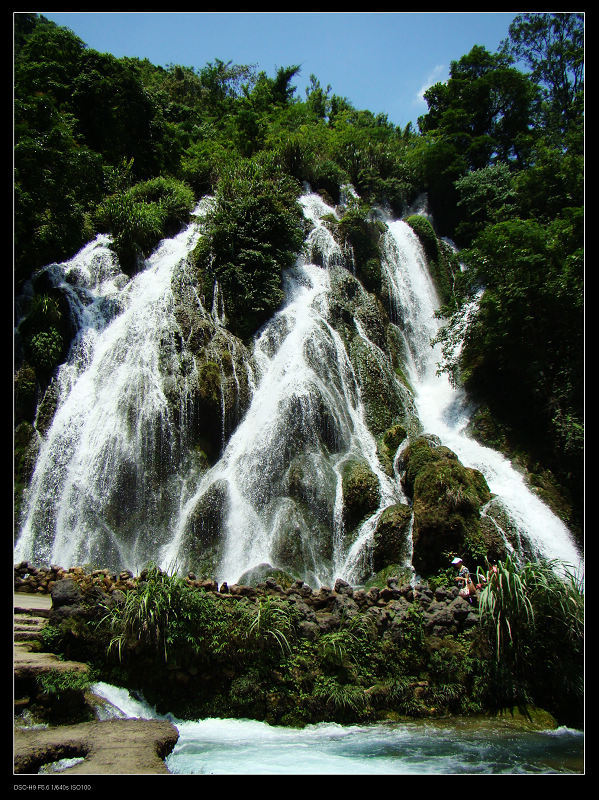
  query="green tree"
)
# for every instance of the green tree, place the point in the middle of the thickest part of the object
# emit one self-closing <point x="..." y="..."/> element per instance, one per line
<point x="553" y="47"/>
<point x="479" y="117"/>
<point x="485" y="195"/>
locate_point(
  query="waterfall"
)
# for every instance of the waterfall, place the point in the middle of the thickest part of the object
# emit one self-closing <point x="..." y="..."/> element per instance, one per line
<point x="113" y="428"/>
<point x="443" y="409"/>
<point x="304" y="422"/>
<point x="118" y="479"/>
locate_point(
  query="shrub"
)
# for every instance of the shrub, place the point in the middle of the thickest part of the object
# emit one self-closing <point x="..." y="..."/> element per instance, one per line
<point x="270" y="622"/>
<point x="254" y="231"/>
<point x="60" y="682"/>
<point x="45" y="349"/>
<point x="533" y="615"/>
<point x="139" y="217"/>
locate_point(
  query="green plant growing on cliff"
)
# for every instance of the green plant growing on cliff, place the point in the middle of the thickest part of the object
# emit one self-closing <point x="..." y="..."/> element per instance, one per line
<point x="60" y="682"/>
<point x="340" y="698"/>
<point x="45" y="349"/>
<point x="253" y="232"/>
<point x="138" y="217"/>
<point x="146" y="613"/>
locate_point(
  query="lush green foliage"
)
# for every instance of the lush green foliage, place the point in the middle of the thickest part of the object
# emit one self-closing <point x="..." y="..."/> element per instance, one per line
<point x="140" y="216"/>
<point x="253" y="662"/>
<point x="534" y="616"/>
<point x="58" y="682"/>
<point x="519" y="216"/>
<point x="254" y="231"/>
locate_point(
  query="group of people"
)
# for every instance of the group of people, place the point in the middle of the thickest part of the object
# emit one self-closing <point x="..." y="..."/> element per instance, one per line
<point x="468" y="589"/>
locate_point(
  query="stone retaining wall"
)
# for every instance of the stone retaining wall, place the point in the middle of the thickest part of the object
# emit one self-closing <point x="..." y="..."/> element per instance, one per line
<point x="320" y="610"/>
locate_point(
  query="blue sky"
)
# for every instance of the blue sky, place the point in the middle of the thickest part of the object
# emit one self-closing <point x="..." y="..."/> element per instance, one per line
<point x="380" y="61"/>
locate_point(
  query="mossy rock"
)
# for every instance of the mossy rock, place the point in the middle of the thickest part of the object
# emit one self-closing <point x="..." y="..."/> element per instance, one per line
<point x="311" y="482"/>
<point x="361" y="491"/>
<point x="261" y="572"/>
<point x="447" y="498"/>
<point x="401" y="573"/>
<point x="302" y="542"/>
<point x="391" y="540"/>
<point x="417" y="454"/>
<point x="25" y="393"/>
<point x="202" y="541"/>
<point x="388" y="444"/>
<point x="381" y="393"/>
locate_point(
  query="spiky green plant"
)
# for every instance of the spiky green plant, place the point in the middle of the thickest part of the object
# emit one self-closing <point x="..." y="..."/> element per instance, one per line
<point x="515" y="596"/>
<point x="534" y="614"/>
<point x="340" y="697"/>
<point x="146" y="612"/>
<point x="57" y="682"/>
<point x="269" y="621"/>
<point x="505" y="605"/>
<point x="338" y="648"/>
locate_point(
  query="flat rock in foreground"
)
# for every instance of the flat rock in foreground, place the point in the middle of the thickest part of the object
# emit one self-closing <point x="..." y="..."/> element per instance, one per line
<point x="110" y="747"/>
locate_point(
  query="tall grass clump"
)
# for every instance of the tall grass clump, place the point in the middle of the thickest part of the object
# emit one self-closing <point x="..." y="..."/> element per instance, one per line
<point x="533" y="616"/>
<point x="146" y="613"/>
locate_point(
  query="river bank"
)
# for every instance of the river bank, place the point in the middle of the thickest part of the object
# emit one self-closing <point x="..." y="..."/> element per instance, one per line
<point x="389" y="656"/>
<point x="97" y="747"/>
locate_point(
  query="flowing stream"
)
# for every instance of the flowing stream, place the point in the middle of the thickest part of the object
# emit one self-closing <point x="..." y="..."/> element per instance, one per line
<point x="432" y="747"/>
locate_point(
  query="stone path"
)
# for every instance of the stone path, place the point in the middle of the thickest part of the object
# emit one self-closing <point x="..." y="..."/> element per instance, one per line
<point x="114" y="746"/>
<point x="31" y="612"/>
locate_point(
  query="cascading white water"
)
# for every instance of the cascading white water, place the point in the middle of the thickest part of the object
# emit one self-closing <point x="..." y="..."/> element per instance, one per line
<point x="112" y="425"/>
<point x="306" y="404"/>
<point x="215" y="746"/>
<point x="278" y="481"/>
<point x="442" y="408"/>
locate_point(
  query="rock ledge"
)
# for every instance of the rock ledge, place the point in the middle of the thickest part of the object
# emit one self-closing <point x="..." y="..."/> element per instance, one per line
<point x="110" y="747"/>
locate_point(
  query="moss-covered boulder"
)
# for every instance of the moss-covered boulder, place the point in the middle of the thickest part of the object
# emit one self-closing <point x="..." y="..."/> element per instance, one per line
<point x="202" y="541"/>
<point x="381" y="392"/>
<point x="391" y="541"/>
<point x="442" y="261"/>
<point x="25" y="393"/>
<point x="262" y="572"/>
<point x="388" y="444"/>
<point x="363" y="235"/>
<point x="361" y="491"/>
<point x="302" y="543"/>
<point x="206" y="369"/>
<point x="447" y="498"/>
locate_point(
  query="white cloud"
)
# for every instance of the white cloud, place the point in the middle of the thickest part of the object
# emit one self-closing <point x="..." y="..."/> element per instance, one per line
<point x="434" y="76"/>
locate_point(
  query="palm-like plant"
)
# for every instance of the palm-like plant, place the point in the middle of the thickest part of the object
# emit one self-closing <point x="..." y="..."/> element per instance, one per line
<point x="516" y="597"/>
<point x="146" y="612"/>
<point x="505" y="604"/>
